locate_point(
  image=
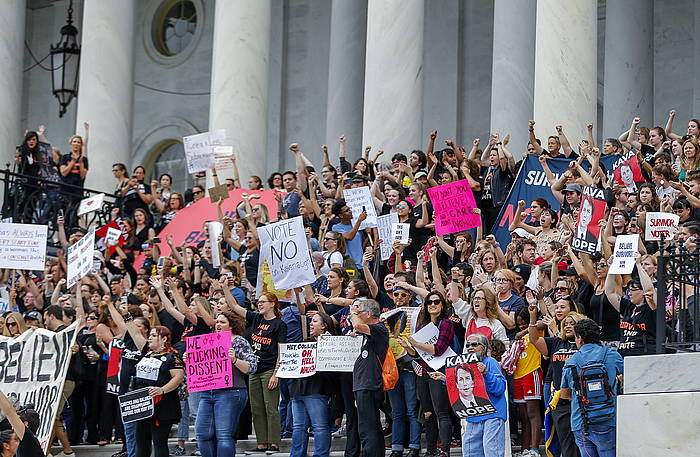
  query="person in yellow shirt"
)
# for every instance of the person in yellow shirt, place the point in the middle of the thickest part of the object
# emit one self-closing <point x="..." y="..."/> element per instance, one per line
<point x="527" y="388"/>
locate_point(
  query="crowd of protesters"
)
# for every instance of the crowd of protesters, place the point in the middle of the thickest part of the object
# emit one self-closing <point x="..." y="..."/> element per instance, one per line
<point x="535" y="310"/>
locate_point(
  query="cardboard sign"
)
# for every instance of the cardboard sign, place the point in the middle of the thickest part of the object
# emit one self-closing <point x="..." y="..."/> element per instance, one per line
<point x="465" y="387"/>
<point x="384" y="225"/>
<point x="297" y="360"/>
<point x="90" y="204"/>
<point x="400" y="232"/>
<point x="222" y="157"/>
<point x="359" y="199"/>
<point x="199" y="149"/>
<point x="217" y="193"/>
<point x="429" y="335"/>
<point x="454" y="207"/>
<point x="208" y="365"/>
<point x="660" y="226"/>
<point x="337" y="353"/>
<point x="35" y="365"/>
<point x="136" y="405"/>
<point x="284" y="247"/>
<point x="623" y="258"/>
<point x="587" y="226"/>
<point x="22" y="246"/>
<point x="80" y="256"/>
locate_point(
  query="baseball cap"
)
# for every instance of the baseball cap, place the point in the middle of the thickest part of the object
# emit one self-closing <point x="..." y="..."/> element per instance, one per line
<point x="573" y="188"/>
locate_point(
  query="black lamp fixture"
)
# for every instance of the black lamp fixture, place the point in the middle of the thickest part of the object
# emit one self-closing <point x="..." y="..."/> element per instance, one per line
<point x="65" y="63"/>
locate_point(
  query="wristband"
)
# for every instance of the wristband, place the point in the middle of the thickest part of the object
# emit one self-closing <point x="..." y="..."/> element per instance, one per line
<point x="532" y="325"/>
<point x="128" y="317"/>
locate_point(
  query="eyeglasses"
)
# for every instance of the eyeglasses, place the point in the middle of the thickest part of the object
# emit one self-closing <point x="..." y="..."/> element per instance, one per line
<point x="501" y="280"/>
<point x="633" y="288"/>
<point x="472" y="345"/>
<point x="434" y="301"/>
<point x="114" y="171"/>
<point x="401" y="294"/>
<point x="256" y="209"/>
<point x="330" y="239"/>
<point x="479" y="298"/>
<point x="562" y="289"/>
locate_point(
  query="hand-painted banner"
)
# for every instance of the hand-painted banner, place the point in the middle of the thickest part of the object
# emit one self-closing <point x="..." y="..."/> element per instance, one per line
<point x="385" y="224"/>
<point x="360" y="199"/>
<point x="626" y="247"/>
<point x="466" y="388"/>
<point x="660" y="225"/>
<point x="22" y="246"/>
<point x="33" y="368"/>
<point x="588" y="224"/>
<point x="297" y="360"/>
<point x="80" y="256"/>
<point x="286" y="250"/>
<point x="337" y="353"/>
<point x="454" y="207"/>
<point x="199" y="149"/>
<point x="208" y="365"/>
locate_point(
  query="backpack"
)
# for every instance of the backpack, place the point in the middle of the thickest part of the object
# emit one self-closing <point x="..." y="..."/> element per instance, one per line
<point x="390" y="371"/>
<point x="594" y="392"/>
<point x="349" y="265"/>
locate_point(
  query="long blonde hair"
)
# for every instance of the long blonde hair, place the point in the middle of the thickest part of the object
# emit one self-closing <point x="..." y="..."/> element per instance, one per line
<point x="21" y="325"/>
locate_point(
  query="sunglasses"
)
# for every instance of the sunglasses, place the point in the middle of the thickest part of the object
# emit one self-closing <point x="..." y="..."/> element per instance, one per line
<point x="92" y="318"/>
<point x="472" y="345"/>
<point x="434" y="301"/>
<point x="197" y="192"/>
<point x="562" y="289"/>
<point x="11" y="324"/>
<point x="330" y="239"/>
<point x="401" y="294"/>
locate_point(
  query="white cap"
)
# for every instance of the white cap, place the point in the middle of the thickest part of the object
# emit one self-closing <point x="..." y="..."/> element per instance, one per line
<point x="521" y="232"/>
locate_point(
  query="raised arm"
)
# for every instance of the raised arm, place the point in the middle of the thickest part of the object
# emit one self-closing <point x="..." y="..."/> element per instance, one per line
<point x="12" y="417"/>
<point x="578" y="266"/>
<point x="126" y="324"/>
<point x="167" y="304"/>
<point x="533" y="138"/>
<point x="367" y="257"/>
<point x="565" y="144"/>
<point x="669" y="126"/>
<point x="611" y="292"/>
<point x="591" y="140"/>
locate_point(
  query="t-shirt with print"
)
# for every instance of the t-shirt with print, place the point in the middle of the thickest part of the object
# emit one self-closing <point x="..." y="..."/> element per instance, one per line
<point x="529" y="361"/>
<point x="559" y="352"/>
<point x="512" y="304"/>
<point x="131" y="201"/>
<point x="637" y="329"/>
<point x="190" y="329"/>
<point x="264" y="336"/>
<point x="367" y="372"/>
<point x="73" y="176"/>
<point x="153" y="370"/>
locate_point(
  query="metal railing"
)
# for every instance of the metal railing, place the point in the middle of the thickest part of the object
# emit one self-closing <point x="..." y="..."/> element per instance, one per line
<point x="34" y="200"/>
<point x="678" y="299"/>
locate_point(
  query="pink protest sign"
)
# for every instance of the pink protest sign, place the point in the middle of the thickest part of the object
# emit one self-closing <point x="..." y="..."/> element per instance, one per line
<point x="454" y="205"/>
<point x="208" y="365"/>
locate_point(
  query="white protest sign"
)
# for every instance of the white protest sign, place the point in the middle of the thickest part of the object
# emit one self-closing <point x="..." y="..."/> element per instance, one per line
<point x="199" y="149"/>
<point x="112" y="236"/>
<point x="337" y="353"/>
<point x="359" y="199"/>
<point x="22" y="246"/>
<point x="215" y="229"/>
<point x="384" y="224"/>
<point x="429" y="335"/>
<point x="297" y="360"/>
<point x="660" y="225"/>
<point x="80" y="257"/>
<point x="7" y="220"/>
<point x="222" y="157"/>
<point x="34" y="367"/>
<point x="90" y="204"/>
<point x="286" y="250"/>
<point x="623" y="257"/>
<point x="399" y="232"/>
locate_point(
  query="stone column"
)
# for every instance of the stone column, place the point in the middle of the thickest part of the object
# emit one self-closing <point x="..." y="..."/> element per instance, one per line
<point x="105" y="88"/>
<point x="565" y="67"/>
<point x="239" y="77"/>
<point x="696" y="67"/>
<point x="346" y="75"/>
<point x="513" y="80"/>
<point x="12" y="61"/>
<point x="393" y="102"/>
<point x="629" y="77"/>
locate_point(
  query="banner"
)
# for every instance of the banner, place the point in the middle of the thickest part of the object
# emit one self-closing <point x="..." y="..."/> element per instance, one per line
<point x="627" y="171"/>
<point x="22" y="246"/>
<point x="33" y="368"/>
<point x="208" y="365"/>
<point x="80" y="256"/>
<point x="465" y="387"/>
<point x="116" y="348"/>
<point x="384" y="225"/>
<point x="454" y="205"/>
<point x="297" y="360"/>
<point x="660" y="225"/>
<point x="429" y="335"/>
<point x="286" y="250"/>
<point x="400" y="232"/>
<point x="106" y="234"/>
<point x="623" y="257"/>
<point x="136" y="405"/>
<point x="90" y="204"/>
<point x="199" y="149"/>
<point x="337" y="353"/>
<point x="359" y="199"/>
<point x="590" y="214"/>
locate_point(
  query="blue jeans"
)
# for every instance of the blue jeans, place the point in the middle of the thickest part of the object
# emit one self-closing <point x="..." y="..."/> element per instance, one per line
<point x="189" y="409"/>
<point x="484" y="439"/>
<point x="599" y="441"/>
<point x="286" y="416"/>
<point x="130" y="438"/>
<point x="217" y="421"/>
<point x="316" y="405"/>
<point x="404" y="402"/>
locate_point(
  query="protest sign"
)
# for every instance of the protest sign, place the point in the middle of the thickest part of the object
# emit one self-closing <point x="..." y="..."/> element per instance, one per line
<point x="284" y="247"/>
<point x="465" y="387"/>
<point x="208" y="365"/>
<point x="454" y="207"/>
<point x="112" y="236"/>
<point x="402" y="319"/>
<point x="7" y="220"/>
<point x="297" y="360"/>
<point x="215" y="229"/>
<point x="22" y="246"/>
<point x="80" y="256"/>
<point x="429" y="335"/>
<point x="136" y="405"/>
<point x="627" y="171"/>
<point x="222" y="157"/>
<point x="587" y="226"/>
<point x="337" y="353"/>
<point x="660" y="225"/>
<point x="400" y="232"/>
<point x="623" y="256"/>
<point x="33" y="367"/>
<point x="384" y="225"/>
<point x="5" y="305"/>
<point x="91" y="204"/>
<point x="360" y="199"/>
<point x="116" y="349"/>
<point x="199" y="149"/>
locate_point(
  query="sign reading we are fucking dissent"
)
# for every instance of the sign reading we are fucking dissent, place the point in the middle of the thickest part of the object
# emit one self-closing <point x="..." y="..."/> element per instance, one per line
<point x="208" y="365"/>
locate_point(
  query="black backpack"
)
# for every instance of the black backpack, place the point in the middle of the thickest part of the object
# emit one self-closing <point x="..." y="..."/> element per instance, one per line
<point x="594" y="392"/>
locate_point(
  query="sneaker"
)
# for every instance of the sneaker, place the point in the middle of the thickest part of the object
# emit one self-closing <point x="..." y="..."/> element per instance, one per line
<point x="178" y="450"/>
<point x="196" y="452"/>
<point x="120" y="454"/>
<point x="455" y="443"/>
<point x="272" y="449"/>
<point x="340" y="432"/>
<point x="396" y="454"/>
<point x="256" y="450"/>
<point x="413" y="453"/>
<point x="430" y="453"/>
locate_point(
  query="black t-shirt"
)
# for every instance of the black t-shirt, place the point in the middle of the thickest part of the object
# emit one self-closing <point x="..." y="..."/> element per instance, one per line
<point x="131" y="201"/>
<point x="420" y="236"/>
<point x="153" y="370"/>
<point x="167" y="320"/>
<point x="648" y="152"/>
<point x="73" y="370"/>
<point x="559" y="352"/>
<point x="29" y="446"/>
<point x="250" y="259"/>
<point x="130" y="357"/>
<point x="263" y="336"/>
<point x="367" y="373"/>
<point x="73" y="176"/>
<point x="200" y="328"/>
<point x="637" y="329"/>
<point x="602" y="311"/>
<point x="86" y="369"/>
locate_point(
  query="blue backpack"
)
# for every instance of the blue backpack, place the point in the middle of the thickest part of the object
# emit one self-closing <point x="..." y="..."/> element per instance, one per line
<point x="594" y="392"/>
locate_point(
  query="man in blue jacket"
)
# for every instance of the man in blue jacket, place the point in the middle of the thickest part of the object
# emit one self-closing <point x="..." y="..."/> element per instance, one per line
<point x="594" y="440"/>
<point x="485" y="435"/>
